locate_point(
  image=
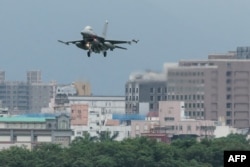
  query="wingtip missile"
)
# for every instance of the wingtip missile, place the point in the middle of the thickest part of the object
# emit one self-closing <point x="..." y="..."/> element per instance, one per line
<point x="135" y="41"/>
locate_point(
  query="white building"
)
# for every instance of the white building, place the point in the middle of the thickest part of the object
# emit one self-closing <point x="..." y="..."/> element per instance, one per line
<point x="99" y="120"/>
<point x="108" y="104"/>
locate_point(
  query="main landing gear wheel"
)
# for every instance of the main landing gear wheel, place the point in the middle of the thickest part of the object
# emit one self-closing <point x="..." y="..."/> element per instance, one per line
<point x="88" y="53"/>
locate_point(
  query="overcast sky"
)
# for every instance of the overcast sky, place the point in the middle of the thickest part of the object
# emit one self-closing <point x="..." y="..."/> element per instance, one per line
<point x="168" y="30"/>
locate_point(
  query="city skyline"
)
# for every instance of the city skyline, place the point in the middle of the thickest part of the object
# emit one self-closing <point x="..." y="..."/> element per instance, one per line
<point x="168" y="31"/>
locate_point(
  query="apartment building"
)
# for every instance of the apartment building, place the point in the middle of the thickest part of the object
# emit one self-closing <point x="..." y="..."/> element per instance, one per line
<point x="26" y="97"/>
<point x="148" y="88"/>
<point x="213" y="88"/>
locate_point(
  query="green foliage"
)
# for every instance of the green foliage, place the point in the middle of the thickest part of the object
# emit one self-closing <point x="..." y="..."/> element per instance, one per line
<point x="139" y="152"/>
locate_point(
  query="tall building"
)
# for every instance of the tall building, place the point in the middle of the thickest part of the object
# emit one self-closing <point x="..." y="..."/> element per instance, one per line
<point x="243" y="53"/>
<point x="145" y="88"/>
<point x="30" y="96"/>
<point x="213" y="88"/>
<point x="34" y="77"/>
<point x="2" y="76"/>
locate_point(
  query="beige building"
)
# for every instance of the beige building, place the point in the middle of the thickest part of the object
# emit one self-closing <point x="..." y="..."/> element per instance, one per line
<point x="173" y="122"/>
<point x="79" y="114"/>
<point x="213" y="88"/>
<point x="82" y="88"/>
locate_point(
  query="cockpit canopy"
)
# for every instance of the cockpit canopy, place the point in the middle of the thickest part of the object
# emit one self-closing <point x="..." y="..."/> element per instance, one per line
<point x="88" y="28"/>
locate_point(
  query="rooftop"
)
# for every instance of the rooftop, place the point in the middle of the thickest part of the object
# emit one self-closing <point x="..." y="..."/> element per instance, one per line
<point x="21" y="119"/>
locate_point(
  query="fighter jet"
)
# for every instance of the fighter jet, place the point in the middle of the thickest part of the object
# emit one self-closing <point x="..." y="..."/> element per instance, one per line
<point x="93" y="43"/>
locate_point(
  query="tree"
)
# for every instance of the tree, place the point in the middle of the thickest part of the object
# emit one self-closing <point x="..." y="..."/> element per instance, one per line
<point x="104" y="136"/>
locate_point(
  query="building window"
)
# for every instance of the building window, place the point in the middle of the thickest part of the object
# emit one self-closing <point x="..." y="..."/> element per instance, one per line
<point x="137" y="90"/>
<point x="159" y="90"/>
<point x="181" y="97"/>
<point x="193" y="97"/>
<point x="151" y="98"/>
<point x="229" y="122"/>
<point x="133" y="90"/>
<point x="229" y="105"/>
<point x="151" y="106"/>
<point x="189" y="105"/>
<point x="151" y="90"/>
<point x="159" y="98"/>
<point x="198" y="97"/>
<point x="188" y="127"/>
<point x="228" y="81"/>
<point x="189" y="97"/>
<point x="169" y="118"/>
<point x="228" y="97"/>
<point x="202" y="105"/>
<point x="137" y="98"/>
<point x="185" y="97"/>
<point x="129" y="90"/>
<point x="228" y="73"/>
<point x="229" y="113"/>
<point x="126" y="90"/>
<point x="173" y="97"/>
<point x="63" y="124"/>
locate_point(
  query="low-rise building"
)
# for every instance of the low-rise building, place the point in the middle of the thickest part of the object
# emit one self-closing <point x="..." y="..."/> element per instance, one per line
<point x="95" y="120"/>
<point x="32" y="130"/>
<point x="172" y="122"/>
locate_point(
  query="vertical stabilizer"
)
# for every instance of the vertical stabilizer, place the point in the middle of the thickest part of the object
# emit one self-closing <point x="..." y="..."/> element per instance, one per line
<point x="104" y="33"/>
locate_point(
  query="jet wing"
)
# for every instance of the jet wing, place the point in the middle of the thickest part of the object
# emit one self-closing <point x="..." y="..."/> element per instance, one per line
<point x="117" y="42"/>
<point x="68" y="42"/>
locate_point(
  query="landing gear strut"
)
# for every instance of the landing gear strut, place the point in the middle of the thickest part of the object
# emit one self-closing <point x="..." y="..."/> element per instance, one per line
<point x="88" y="53"/>
<point x="104" y="54"/>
